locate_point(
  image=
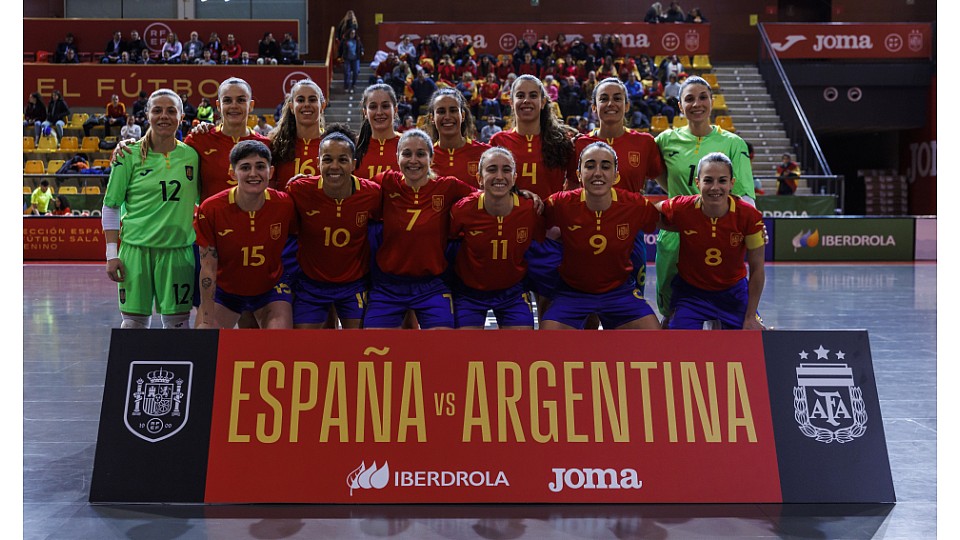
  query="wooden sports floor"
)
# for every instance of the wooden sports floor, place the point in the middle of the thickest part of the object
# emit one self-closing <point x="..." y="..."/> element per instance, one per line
<point x="68" y="311"/>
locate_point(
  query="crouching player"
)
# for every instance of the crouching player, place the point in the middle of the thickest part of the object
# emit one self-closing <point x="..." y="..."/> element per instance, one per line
<point x="241" y="233"/>
<point x="717" y="230"/>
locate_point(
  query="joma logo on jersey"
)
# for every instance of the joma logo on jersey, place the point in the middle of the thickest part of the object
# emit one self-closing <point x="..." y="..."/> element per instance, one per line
<point x="827" y="405"/>
<point x="225" y="232"/>
<point x="158" y="399"/>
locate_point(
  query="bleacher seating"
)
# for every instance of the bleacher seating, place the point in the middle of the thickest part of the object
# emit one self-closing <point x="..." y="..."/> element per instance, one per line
<point x="726" y="123"/>
<point x="29" y="145"/>
<point x="90" y="144"/>
<point x="701" y="63"/>
<point x="659" y="124"/>
<point x="48" y="143"/>
<point x="34" y="166"/>
<point x="70" y="144"/>
<point x="54" y="165"/>
<point x="90" y="190"/>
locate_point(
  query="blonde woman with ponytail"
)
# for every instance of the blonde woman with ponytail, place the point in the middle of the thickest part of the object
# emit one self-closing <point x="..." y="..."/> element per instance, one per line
<point x="153" y="191"/>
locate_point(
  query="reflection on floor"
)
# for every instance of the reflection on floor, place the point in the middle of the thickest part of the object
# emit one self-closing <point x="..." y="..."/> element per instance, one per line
<point x="68" y="310"/>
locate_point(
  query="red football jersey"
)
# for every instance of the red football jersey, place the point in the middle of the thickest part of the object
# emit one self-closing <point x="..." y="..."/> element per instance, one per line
<point x="333" y="245"/>
<point x="306" y="161"/>
<point x="416" y="224"/>
<point x="597" y="245"/>
<point x="214" y="149"/>
<point x="638" y="158"/>
<point x="381" y="156"/>
<point x="491" y="256"/>
<point x="463" y="162"/>
<point x="712" y="249"/>
<point x="248" y="244"/>
<point x="532" y="174"/>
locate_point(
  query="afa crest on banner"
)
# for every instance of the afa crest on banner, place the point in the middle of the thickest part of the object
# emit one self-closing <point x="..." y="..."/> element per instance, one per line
<point x="827" y="405"/>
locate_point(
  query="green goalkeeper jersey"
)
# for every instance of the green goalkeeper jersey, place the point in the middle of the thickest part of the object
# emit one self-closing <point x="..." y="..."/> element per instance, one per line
<point x="682" y="151"/>
<point x="156" y="198"/>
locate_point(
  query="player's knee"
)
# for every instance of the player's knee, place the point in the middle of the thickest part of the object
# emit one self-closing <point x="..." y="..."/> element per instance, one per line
<point x="135" y="321"/>
<point x="176" y="321"/>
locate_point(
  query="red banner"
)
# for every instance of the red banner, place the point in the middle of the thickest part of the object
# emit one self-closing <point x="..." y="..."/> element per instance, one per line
<point x="90" y="85"/>
<point x="48" y="238"/>
<point x="91" y="35"/>
<point x="851" y="40"/>
<point x="538" y="418"/>
<point x="502" y="38"/>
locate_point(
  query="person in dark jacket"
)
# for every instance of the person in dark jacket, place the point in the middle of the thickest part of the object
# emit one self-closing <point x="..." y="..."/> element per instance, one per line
<point x="58" y="113"/>
<point x="35" y="113"/>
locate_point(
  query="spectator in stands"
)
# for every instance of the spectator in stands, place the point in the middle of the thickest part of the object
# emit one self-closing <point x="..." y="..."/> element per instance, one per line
<point x="268" y="51"/>
<point x="262" y="127"/>
<point x="655" y="14"/>
<point x="189" y="115"/>
<point x="490" y="96"/>
<point x="57" y="114"/>
<point x="145" y="57"/>
<point x="490" y="129"/>
<point x="207" y="59"/>
<point x="66" y="45"/>
<point x="407" y="52"/>
<point x="407" y="124"/>
<point x="695" y="16"/>
<point x="528" y="66"/>
<point x="351" y="51"/>
<point x="40" y="199"/>
<point x="245" y="59"/>
<point x="205" y="111"/>
<point x="172" y="51"/>
<point x="193" y="49"/>
<point x="225" y="59"/>
<point x="384" y="70"/>
<point x="130" y="130"/>
<point x="289" y="50"/>
<point x="61" y="206"/>
<point x="125" y="58"/>
<point x="788" y="172"/>
<point x="423" y="87"/>
<point x="114" y="115"/>
<point x="135" y="45"/>
<point x="233" y="49"/>
<point x="468" y="87"/>
<point x="578" y="49"/>
<point x="671" y="93"/>
<point x="669" y="66"/>
<point x="569" y="97"/>
<point x="348" y="22"/>
<point x="646" y="68"/>
<point x="675" y="14"/>
<point x="35" y="113"/>
<point x="214" y="45"/>
<point x="635" y="89"/>
<point x="111" y="53"/>
<point x="71" y="57"/>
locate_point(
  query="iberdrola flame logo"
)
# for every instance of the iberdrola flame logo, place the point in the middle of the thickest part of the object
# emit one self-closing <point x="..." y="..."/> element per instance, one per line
<point x="806" y="239"/>
<point x="366" y="478"/>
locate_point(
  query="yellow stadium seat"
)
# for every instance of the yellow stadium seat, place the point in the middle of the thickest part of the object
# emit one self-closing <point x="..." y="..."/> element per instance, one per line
<point x="77" y="120"/>
<point x="27" y="190"/>
<point x="684" y="61"/>
<point x="90" y="144"/>
<point x="252" y="121"/>
<point x="679" y="121"/>
<point x="33" y="166"/>
<point x="54" y="165"/>
<point x="104" y="163"/>
<point x="270" y="119"/>
<point x="712" y="81"/>
<point x="726" y="123"/>
<point x="659" y="123"/>
<point x="701" y="62"/>
<point x="67" y="190"/>
<point x="48" y="143"/>
<point x="29" y="145"/>
<point x="70" y="144"/>
<point x="110" y="138"/>
<point x="719" y="103"/>
<point x="91" y="190"/>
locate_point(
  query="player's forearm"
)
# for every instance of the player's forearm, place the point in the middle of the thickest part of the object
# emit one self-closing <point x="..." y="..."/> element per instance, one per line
<point x="755" y="282"/>
<point x="208" y="284"/>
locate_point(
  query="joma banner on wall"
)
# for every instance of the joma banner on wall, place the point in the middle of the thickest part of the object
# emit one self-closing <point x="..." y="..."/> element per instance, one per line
<point x="851" y="40"/>
<point x="479" y="417"/>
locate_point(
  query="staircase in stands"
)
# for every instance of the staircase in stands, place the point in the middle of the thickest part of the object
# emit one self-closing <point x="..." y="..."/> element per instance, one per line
<point x="344" y="107"/>
<point x="756" y="120"/>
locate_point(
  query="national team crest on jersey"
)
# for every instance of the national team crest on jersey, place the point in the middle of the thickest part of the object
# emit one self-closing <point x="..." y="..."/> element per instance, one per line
<point x="188" y="171"/>
<point x="275" y="230"/>
<point x="123" y="296"/>
<point x="473" y="167"/>
<point x="827" y="405"/>
<point x="523" y="234"/>
<point x="361" y="219"/>
<point x="736" y="239"/>
<point x="623" y="231"/>
<point x="437" y="203"/>
<point x="634" y="158"/>
<point x="158" y="399"/>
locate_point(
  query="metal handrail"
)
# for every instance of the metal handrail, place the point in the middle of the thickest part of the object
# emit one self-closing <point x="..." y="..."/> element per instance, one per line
<point x="812" y="145"/>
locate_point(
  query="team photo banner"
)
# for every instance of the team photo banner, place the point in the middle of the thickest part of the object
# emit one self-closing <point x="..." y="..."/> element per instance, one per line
<point x="91" y="85"/>
<point x="851" y="40"/>
<point x="502" y="38"/>
<point x="252" y="416"/>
